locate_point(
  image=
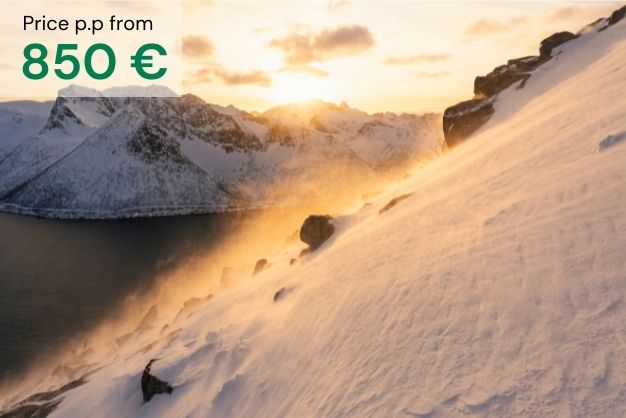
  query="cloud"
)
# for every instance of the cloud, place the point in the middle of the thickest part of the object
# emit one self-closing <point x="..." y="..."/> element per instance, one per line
<point x="416" y="59"/>
<point x="259" y="78"/>
<point x="483" y="27"/>
<point x="203" y="75"/>
<point x="437" y="74"/>
<point x="302" y="49"/>
<point x="585" y="13"/>
<point x="196" y="46"/>
<point x="305" y="69"/>
<point x="230" y="78"/>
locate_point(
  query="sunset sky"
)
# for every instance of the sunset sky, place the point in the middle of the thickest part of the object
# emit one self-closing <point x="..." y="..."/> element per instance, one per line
<point x="401" y="56"/>
<point x="375" y="55"/>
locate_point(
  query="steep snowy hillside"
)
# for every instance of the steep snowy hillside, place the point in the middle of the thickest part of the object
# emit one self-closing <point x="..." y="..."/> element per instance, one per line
<point x="33" y="149"/>
<point x="496" y="286"/>
<point x="104" y="157"/>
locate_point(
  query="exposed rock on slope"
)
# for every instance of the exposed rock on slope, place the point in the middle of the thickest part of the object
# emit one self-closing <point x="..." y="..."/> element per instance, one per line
<point x="554" y="40"/>
<point x="152" y="385"/>
<point x="615" y="17"/>
<point x="316" y="229"/>
<point x="463" y="119"/>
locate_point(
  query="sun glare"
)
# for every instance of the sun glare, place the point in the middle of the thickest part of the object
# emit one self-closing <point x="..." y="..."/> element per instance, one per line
<point x="295" y="88"/>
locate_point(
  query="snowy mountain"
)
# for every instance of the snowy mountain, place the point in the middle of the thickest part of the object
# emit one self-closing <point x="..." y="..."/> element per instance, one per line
<point x="495" y="287"/>
<point x="98" y="156"/>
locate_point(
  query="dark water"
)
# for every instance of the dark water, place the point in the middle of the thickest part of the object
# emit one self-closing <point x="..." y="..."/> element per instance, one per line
<point x="59" y="278"/>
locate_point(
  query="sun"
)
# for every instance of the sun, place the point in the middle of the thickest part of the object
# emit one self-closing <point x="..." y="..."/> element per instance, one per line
<point x="296" y="88"/>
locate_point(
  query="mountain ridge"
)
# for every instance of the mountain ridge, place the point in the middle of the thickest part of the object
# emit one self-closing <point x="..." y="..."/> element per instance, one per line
<point x="237" y="159"/>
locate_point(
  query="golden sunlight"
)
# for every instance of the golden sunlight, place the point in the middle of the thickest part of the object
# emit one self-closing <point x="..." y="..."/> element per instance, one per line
<point x="295" y="88"/>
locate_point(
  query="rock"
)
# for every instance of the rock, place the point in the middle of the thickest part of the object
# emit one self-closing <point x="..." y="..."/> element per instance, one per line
<point x="554" y="40"/>
<point x="39" y="410"/>
<point x="616" y="16"/>
<point x="463" y="119"/>
<point x="260" y="265"/>
<point x="394" y="202"/>
<point x="152" y="385"/>
<point x="490" y="84"/>
<point x="279" y="295"/>
<point x="292" y="261"/>
<point x="41" y="404"/>
<point x="304" y="252"/>
<point x="316" y="229"/>
<point x="506" y="75"/>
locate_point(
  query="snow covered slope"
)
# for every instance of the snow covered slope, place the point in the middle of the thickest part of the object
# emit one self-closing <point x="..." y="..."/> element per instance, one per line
<point x="20" y="120"/>
<point x="497" y="288"/>
<point x="106" y="157"/>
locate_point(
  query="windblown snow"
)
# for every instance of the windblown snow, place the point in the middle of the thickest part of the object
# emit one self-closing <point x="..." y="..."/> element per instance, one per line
<point x="497" y="288"/>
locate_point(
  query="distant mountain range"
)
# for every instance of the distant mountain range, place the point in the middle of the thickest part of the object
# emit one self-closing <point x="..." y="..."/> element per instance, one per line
<point x="88" y="155"/>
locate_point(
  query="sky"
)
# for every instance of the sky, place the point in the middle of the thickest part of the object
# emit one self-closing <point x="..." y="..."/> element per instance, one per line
<point x="399" y="56"/>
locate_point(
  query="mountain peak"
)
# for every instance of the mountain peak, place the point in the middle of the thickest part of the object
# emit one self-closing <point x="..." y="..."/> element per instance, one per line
<point x="154" y="90"/>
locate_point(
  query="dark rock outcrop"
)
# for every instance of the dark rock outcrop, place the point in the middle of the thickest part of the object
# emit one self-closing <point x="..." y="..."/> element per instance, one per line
<point x="463" y="119"/>
<point x="316" y="229"/>
<point x="152" y="385"/>
<point x="394" y="202"/>
<point x="280" y="294"/>
<point x="616" y="16"/>
<point x="41" y="404"/>
<point x="554" y="40"/>
<point x="505" y="75"/>
<point x="260" y="265"/>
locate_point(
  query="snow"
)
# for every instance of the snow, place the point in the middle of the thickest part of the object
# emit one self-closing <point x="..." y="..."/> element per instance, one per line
<point x="153" y="90"/>
<point x="231" y="160"/>
<point x="20" y="120"/>
<point x="139" y="91"/>
<point x="496" y="288"/>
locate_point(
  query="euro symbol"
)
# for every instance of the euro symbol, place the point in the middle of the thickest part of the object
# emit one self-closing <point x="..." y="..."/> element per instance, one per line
<point x="139" y="61"/>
